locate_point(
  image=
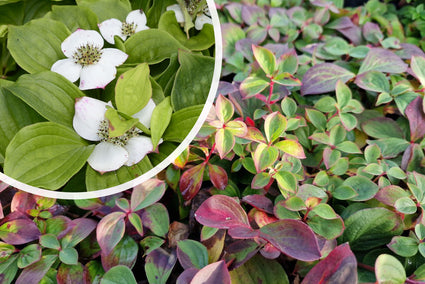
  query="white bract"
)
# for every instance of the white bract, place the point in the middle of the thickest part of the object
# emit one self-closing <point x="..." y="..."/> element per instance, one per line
<point x="88" y="61"/>
<point x="200" y="21"/>
<point x="135" y="22"/>
<point x="111" y="153"/>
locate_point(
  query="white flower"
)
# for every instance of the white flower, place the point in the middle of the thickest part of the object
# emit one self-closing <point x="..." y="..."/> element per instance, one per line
<point x="135" y="22"/>
<point x="200" y="21"/>
<point x="111" y="153"/>
<point x="88" y="61"/>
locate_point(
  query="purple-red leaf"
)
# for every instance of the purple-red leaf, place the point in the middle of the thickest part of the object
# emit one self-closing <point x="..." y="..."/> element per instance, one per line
<point x="383" y="60"/>
<point x="147" y="194"/>
<point x="340" y="266"/>
<point x="80" y="229"/>
<point x="124" y="253"/>
<point x="293" y="238"/>
<point x="213" y="273"/>
<point x="260" y="202"/>
<point x="218" y="176"/>
<point x="18" y="232"/>
<point x="187" y="276"/>
<point x="110" y="231"/>
<point x="269" y="251"/>
<point x="243" y="233"/>
<point x="70" y="274"/>
<point x="322" y="78"/>
<point x="416" y="116"/>
<point x="191" y="181"/>
<point x="223" y="212"/>
<point x="35" y="272"/>
<point x="159" y="264"/>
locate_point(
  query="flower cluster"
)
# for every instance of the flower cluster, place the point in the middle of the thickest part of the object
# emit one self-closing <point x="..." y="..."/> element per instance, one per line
<point x="88" y="61"/>
<point x="202" y="18"/>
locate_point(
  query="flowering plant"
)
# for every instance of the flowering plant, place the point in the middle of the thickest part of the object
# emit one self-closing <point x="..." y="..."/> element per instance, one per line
<point x="136" y="69"/>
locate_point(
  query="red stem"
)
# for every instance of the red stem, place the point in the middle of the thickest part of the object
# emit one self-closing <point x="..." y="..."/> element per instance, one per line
<point x="270" y="94"/>
<point x="210" y="154"/>
<point x="365" y="266"/>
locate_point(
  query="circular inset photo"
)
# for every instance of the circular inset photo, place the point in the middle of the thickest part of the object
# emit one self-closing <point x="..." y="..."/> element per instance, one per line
<point x="101" y="95"/>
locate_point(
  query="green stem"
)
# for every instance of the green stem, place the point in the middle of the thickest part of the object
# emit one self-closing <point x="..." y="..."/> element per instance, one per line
<point x="138" y="125"/>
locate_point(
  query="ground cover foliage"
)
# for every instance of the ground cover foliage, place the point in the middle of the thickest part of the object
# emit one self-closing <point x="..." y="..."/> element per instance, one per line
<point x="309" y="169"/>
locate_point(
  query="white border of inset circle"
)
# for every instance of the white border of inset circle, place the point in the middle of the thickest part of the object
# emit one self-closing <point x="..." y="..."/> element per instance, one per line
<point x="171" y="158"/>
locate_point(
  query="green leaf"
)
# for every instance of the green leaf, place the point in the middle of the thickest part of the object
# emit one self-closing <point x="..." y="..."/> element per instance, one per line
<point x="326" y="104"/>
<point x="327" y="228"/>
<point x="48" y="93"/>
<point x="107" y="9"/>
<point x="286" y="181"/>
<point x="373" y="81"/>
<point x="348" y="147"/>
<point x="136" y="221"/>
<point x="151" y="243"/>
<point x="74" y="17"/>
<point x="29" y="255"/>
<point x="336" y="46"/>
<point x="224" y="109"/>
<point x="348" y="120"/>
<point x="404" y="246"/>
<point x="133" y="90"/>
<point x="117" y="125"/>
<point x="147" y="193"/>
<point x="225" y="141"/>
<point x="289" y="106"/>
<point x="420" y="231"/>
<point x="151" y="46"/>
<point x="418" y="67"/>
<point x="317" y="118"/>
<point x="201" y="41"/>
<point x="370" y="228"/>
<point x="389" y="270"/>
<point x="396" y="172"/>
<point x="124" y="253"/>
<point x="46" y="155"/>
<point x="36" y="45"/>
<point x="155" y="217"/>
<point x="192" y="254"/>
<point x="265" y="156"/>
<point x="405" y="205"/>
<point x="291" y="147"/>
<point x="259" y="270"/>
<point x="344" y="193"/>
<point x="252" y="86"/>
<point x="274" y="126"/>
<point x="9" y="268"/>
<point x="14" y="115"/>
<point x="193" y="80"/>
<point x="69" y="256"/>
<point x="363" y="186"/>
<point x="182" y="121"/>
<point x="265" y="58"/>
<point x="50" y="241"/>
<point x="160" y="120"/>
<point x="118" y="275"/>
<point x="343" y="94"/>
<point x="97" y="181"/>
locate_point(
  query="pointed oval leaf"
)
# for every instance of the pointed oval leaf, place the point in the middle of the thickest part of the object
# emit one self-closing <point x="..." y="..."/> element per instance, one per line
<point x="158" y="266"/>
<point x="191" y="181"/>
<point x="110" y="231"/>
<point x="388" y="269"/>
<point x="218" y="176"/>
<point x="265" y="59"/>
<point x="213" y="273"/>
<point x="291" y="147"/>
<point x="265" y="156"/>
<point x="224" y="109"/>
<point x="156" y="218"/>
<point x="192" y="254"/>
<point x="223" y="212"/>
<point x="274" y="126"/>
<point x="225" y="141"/>
<point x="322" y="78"/>
<point x="19" y="231"/>
<point x="124" y="253"/>
<point x="118" y="275"/>
<point x="416" y="115"/>
<point x="384" y="60"/>
<point x="147" y="193"/>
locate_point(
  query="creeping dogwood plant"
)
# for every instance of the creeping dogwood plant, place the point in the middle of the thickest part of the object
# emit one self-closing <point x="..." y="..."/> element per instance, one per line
<point x="202" y="17"/>
<point x="112" y="152"/>
<point x="87" y="60"/>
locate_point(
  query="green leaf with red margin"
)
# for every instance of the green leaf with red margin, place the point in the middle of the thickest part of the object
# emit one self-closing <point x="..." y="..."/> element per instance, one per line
<point x="223" y="212"/>
<point x="340" y="266"/>
<point x="291" y="147"/>
<point x="224" y="109"/>
<point x="416" y="115"/>
<point x="158" y="266"/>
<point x="19" y="231"/>
<point x="118" y="275"/>
<point x="6" y="250"/>
<point x="218" y="176"/>
<point x="274" y="126"/>
<point x="265" y="156"/>
<point x="343" y="94"/>
<point x="265" y="58"/>
<point x="192" y="254"/>
<point x="225" y="141"/>
<point x="110" y="231"/>
<point x="252" y="86"/>
<point x="287" y="79"/>
<point x="35" y="272"/>
<point x="253" y="134"/>
<point x="213" y="273"/>
<point x="286" y="181"/>
<point x="155" y="218"/>
<point x="260" y="180"/>
<point x="237" y="128"/>
<point x="80" y="229"/>
<point x="29" y="255"/>
<point x="136" y="221"/>
<point x="418" y="67"/>
<point x="191" y="181"/>
<point x="147" y="193"/>
<point x="292" y="237"/>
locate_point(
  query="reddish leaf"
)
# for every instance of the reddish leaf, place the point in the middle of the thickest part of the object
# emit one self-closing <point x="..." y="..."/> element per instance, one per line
<point x="80" y="229"/>
<point x="35" y="272"/>
<point x="416" y="116"/>
<point x="243" y="233"/>
<point x="212" y="274"/>
<point x="340" y="266"/>
<point x="110" y="231"/>
<point x="124" y="253"/>
<point x="240" y="251"/>
<point x="159" y="264"/>
<point x="191" y="181"/>
<point x="269" y="251"/>
<point x="18" y="232"/>
<point x="293" y="238"/>
<point x="383" y="60"/>
<point x="187" y="275"/>
<point x="254" y="134"/>
<point x="218" y="176"/>
<point x="262" y="218"/>
<point x="390" y="194"/>
<point x="260" y="202"/>
<point x="223" y="212"/>
<point x="22" y="201"/>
